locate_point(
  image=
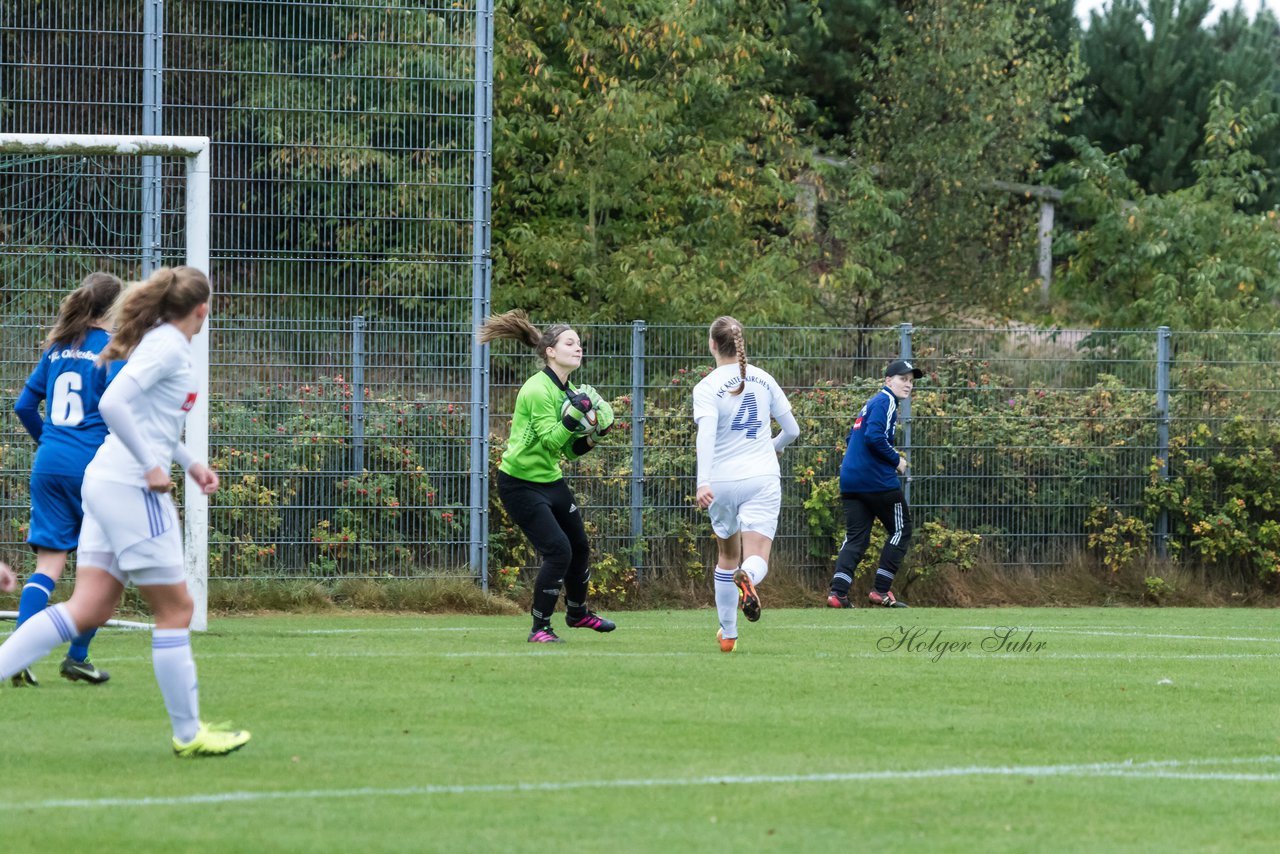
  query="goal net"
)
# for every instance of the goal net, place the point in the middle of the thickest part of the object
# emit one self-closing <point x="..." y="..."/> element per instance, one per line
<point x="71" y="204"/>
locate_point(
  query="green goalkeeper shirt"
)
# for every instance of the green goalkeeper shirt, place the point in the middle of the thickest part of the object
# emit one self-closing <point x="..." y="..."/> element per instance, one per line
<point x="538" y="440"/>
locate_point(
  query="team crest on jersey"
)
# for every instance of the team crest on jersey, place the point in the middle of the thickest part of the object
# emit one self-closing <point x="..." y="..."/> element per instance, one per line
<point x="857" y="423"/>
<point x="189" y="402"/>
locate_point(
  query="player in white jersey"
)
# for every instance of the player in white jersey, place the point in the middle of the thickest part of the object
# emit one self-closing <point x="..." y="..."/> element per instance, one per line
<point x="130" y="532"/>
<point x="738" y="476"/>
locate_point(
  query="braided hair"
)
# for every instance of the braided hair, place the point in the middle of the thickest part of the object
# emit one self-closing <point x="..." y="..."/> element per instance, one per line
<point x="726" y="334"/>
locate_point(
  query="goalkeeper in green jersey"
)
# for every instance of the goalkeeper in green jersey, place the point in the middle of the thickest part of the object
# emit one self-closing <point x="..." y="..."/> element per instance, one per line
<point x="552" y="419"/>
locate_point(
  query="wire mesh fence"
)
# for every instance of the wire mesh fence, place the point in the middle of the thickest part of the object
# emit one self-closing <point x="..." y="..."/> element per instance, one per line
<point x="1015" y="434"/>
<point x="349" y="224"/>
<point x="350" y="408"/>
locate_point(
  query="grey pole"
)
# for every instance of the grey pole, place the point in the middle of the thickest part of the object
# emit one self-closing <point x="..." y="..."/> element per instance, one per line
<point x="481" y="283"/>
<point x="1046" y="249"/>
<point x="904" y="408"/>
<point x="357" y="395"/>
<point x="152" y="125"/>
<point x="1162" y="431"/>
<point x="638" y="328"/>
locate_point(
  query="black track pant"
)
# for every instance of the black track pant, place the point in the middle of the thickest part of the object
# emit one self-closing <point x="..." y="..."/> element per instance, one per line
<point x="861" y="509"/>
<point x="549" y="517"/>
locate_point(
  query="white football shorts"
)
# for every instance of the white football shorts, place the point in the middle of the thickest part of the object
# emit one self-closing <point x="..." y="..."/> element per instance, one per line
<point x="752" y="504"/>
<point x="131" y="532"/>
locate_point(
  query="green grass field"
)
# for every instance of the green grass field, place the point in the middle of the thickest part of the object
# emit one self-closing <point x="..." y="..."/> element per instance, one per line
<point x="1106" y="729"/>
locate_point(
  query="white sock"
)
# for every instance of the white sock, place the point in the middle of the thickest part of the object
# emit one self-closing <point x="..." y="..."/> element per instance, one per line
<point x="35" y="639"/>
<point x="176" y="675"/>
<point x="756" y="567"/>
<point x="727" y="602"/>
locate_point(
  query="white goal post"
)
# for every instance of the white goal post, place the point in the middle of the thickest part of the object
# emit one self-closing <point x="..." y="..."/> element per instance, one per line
<point x="195" y="151"/>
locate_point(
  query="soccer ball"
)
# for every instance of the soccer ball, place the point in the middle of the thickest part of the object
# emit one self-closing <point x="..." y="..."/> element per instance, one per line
<point x="588" y="424"/>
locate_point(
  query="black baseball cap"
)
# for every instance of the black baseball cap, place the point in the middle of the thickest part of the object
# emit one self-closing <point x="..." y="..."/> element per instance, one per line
<point x="902" y="366"/>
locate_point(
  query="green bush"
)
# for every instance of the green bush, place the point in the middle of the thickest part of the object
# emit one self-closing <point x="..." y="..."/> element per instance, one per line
<point x="294" y="495"/>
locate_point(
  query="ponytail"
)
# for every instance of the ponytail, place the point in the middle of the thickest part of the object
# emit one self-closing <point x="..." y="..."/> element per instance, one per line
<point x="515" y="324"/>
<point x="168" y="294"/>
<point x="726" y="334"/>
<point x="82" y="309"/>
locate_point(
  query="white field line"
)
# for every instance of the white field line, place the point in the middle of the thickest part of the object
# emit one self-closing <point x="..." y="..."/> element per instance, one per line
<point x="1168" y="769"/>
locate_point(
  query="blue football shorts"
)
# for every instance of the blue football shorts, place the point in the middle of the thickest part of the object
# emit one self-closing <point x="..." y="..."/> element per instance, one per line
<point x="56" y="512"/>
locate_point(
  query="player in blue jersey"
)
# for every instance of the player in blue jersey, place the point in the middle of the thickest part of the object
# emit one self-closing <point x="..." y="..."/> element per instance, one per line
<point x="870" y="490"/>
<point x="70" y="381"/>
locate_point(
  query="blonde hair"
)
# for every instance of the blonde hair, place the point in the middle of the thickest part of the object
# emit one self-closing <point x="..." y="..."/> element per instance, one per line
<point x="82" y="309"/>
<point x="170" y="293"/>
<point x="515" y="324"/>
<point x="726" y="334"/>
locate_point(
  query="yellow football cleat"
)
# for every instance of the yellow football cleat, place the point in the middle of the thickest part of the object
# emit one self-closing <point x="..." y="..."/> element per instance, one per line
<point x="211" y="741"/>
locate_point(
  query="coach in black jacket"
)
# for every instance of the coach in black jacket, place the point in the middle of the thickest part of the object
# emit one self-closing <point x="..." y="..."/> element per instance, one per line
<point x="870" y="490"/>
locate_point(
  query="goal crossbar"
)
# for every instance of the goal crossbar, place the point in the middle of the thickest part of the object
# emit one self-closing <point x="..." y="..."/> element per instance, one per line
<point x="195" y="149"/>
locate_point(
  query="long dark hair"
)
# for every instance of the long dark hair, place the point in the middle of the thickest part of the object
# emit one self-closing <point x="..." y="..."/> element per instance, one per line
<point x="726" y="334"/>
<point x="82" y="309"/>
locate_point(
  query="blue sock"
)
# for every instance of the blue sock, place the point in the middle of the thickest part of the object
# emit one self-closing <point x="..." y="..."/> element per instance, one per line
<point x="35" y="596"/>
<point x="80" y="646"/>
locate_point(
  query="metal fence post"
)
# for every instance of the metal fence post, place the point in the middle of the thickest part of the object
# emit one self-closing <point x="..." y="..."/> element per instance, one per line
<point x="1162" y="431"/>
<point x="152" y="125"/>
<point x="481" y="287"/>
<point x="904" y="408"/>
<point x="357" y="395"/>
<point x="638" y="328"/>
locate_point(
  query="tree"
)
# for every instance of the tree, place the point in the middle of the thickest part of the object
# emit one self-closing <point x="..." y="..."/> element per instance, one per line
<point x="828" y="42"/>
<point x="1193" y="258"/>
<point x="641" y="166"/>
<point x="1152" y="66"/>
<point x="959" y="95"/>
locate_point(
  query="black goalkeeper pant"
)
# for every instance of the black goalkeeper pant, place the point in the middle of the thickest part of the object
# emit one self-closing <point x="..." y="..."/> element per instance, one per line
<point x="549" y="517"/>
<point x="861" y="509"/>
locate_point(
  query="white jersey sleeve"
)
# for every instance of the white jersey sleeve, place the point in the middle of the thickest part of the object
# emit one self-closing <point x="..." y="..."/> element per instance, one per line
<point x="161" y="367"/>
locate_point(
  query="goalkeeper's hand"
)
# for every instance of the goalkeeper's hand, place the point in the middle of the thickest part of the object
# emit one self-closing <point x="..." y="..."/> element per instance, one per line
<point x="577" y="415"/>
<point x="601" y="409"/>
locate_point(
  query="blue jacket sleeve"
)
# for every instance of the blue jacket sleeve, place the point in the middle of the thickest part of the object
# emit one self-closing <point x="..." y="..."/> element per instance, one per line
<point x="877" y="431"/>
<point x="28" y="412"/>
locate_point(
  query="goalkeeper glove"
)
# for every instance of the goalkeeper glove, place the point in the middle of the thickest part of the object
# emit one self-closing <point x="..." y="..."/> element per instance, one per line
<point x="601" y="409"/>
<point x="576" y="413"/>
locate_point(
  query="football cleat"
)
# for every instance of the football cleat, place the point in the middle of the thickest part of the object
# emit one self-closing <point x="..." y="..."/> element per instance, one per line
<point x="750" y="599"/>
<point x="546" y="635"/>
<point x="886" y="600"/>
<point x="590" y="621"/>
<point x="82" y="671"/>
<point x="211" y="741"/>
<point x="726" y="644"/>
<point x="23" y="678"/>
<point x="835" y="600"/>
